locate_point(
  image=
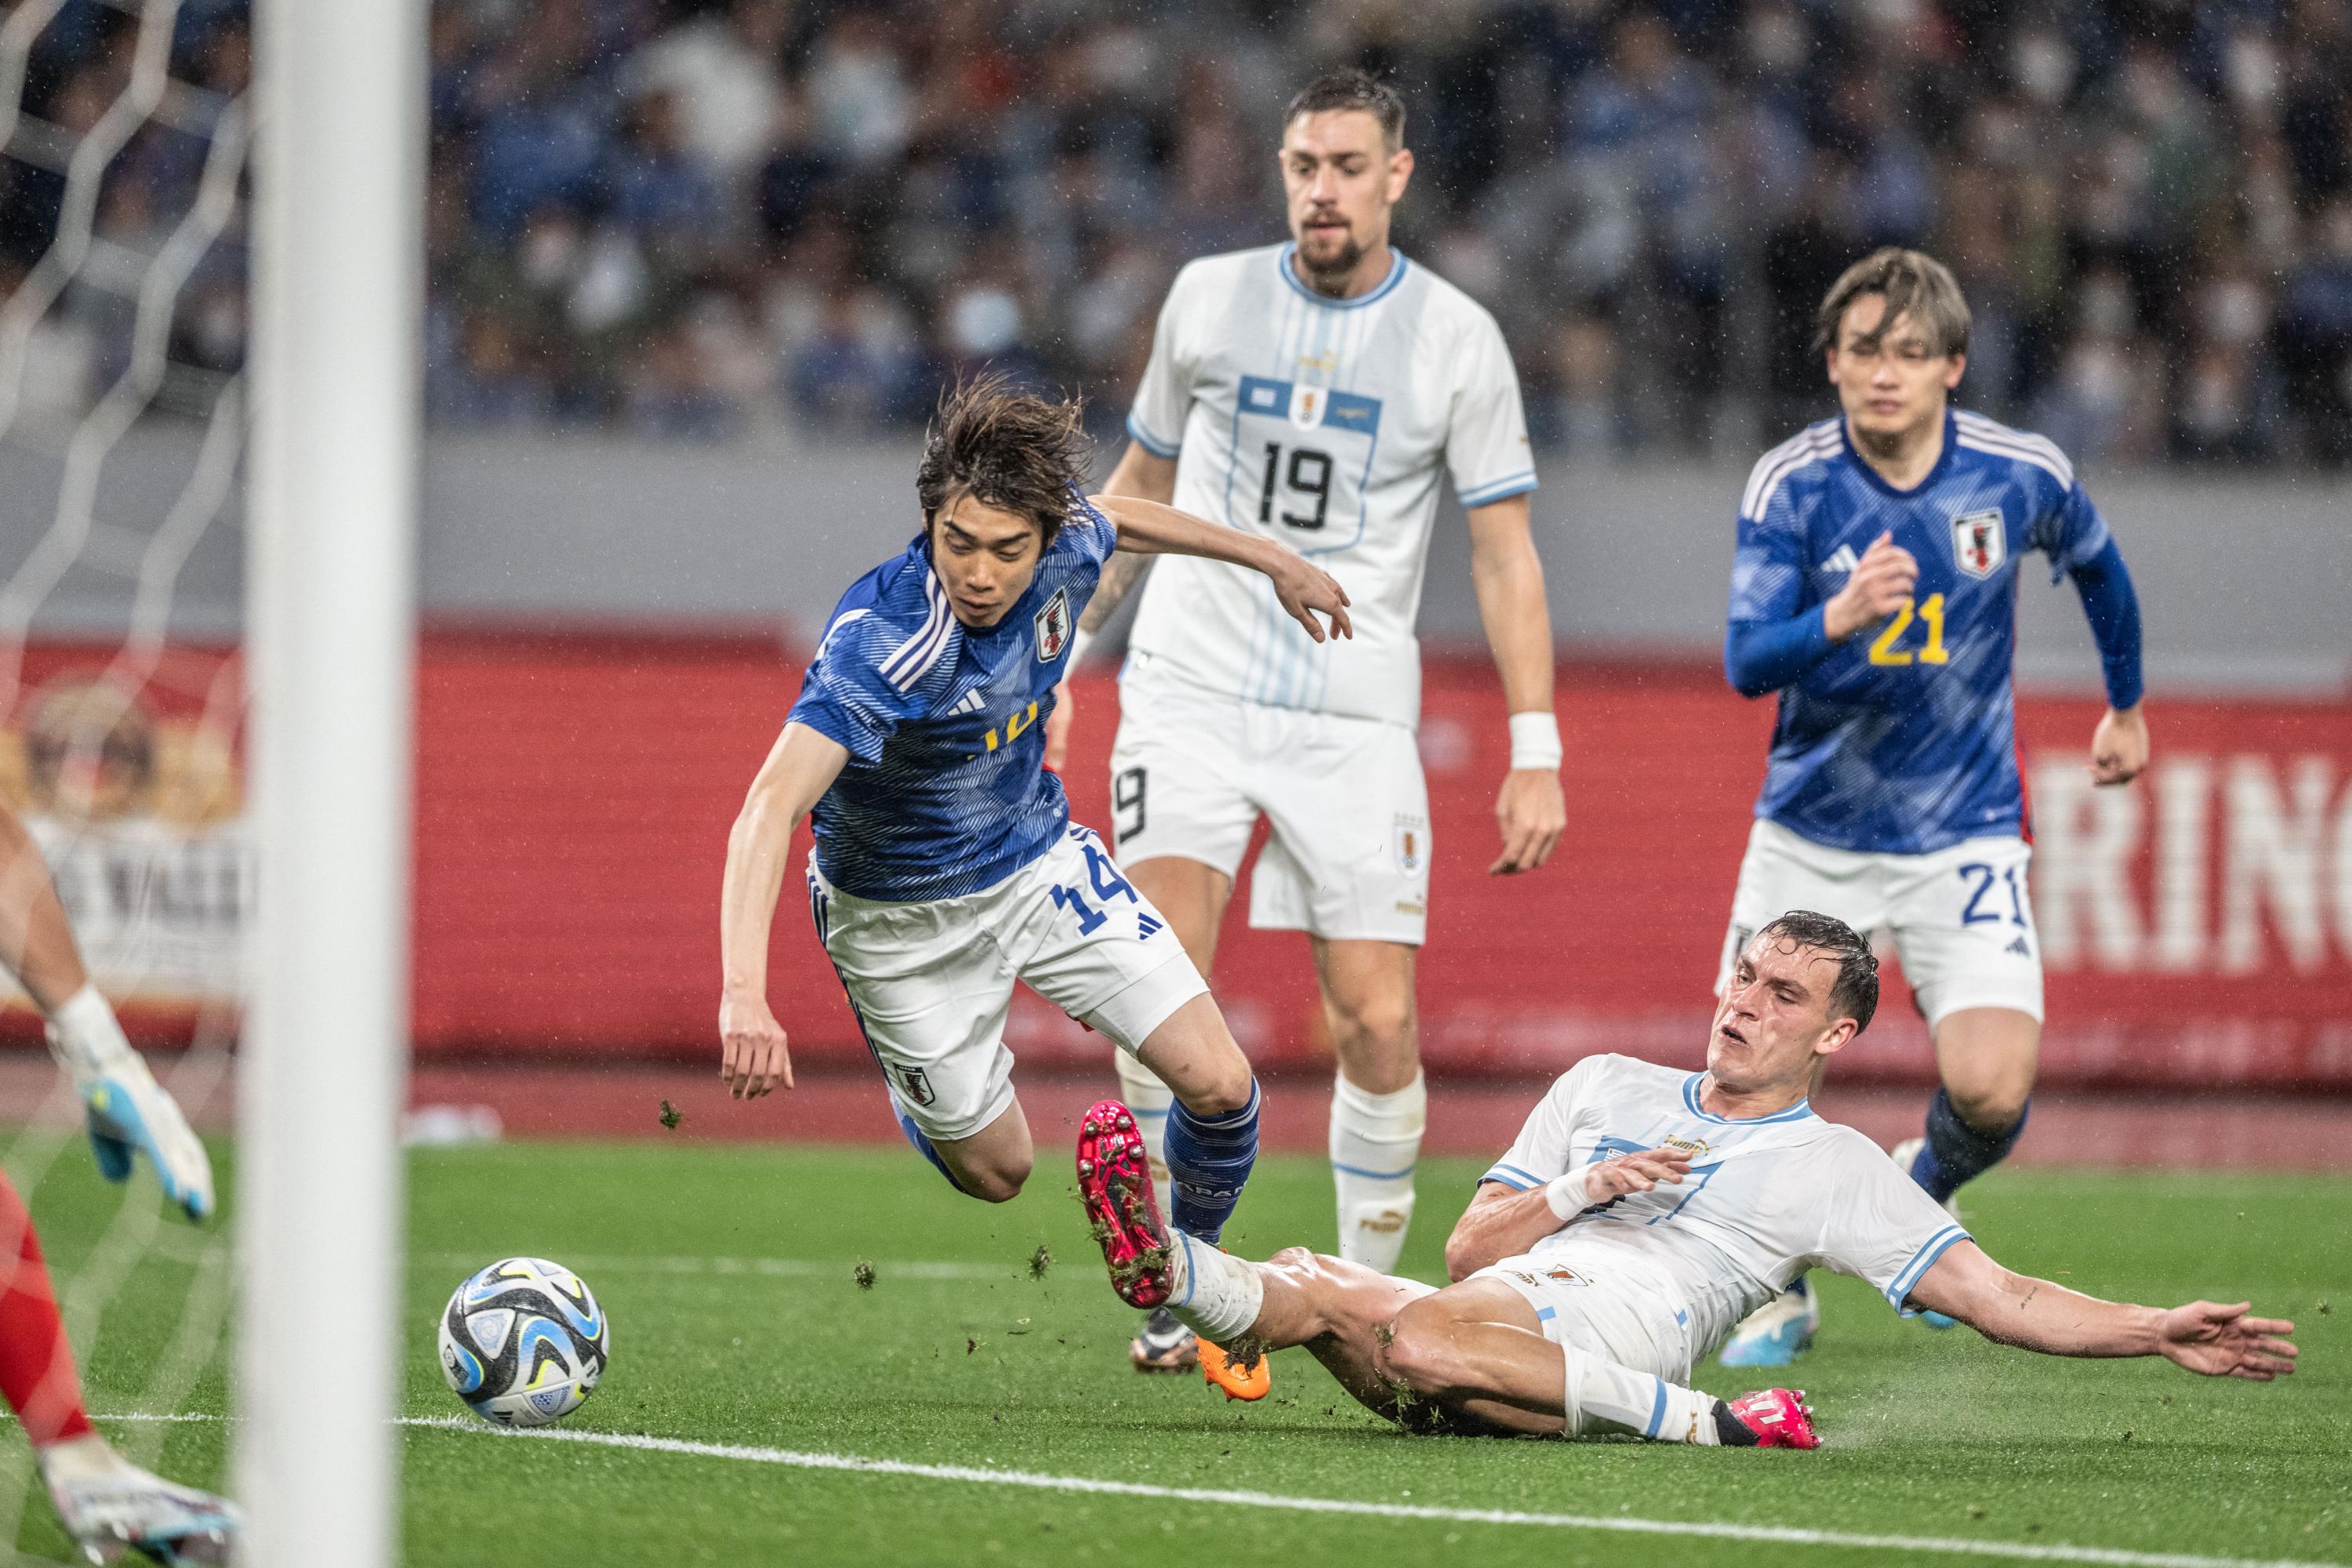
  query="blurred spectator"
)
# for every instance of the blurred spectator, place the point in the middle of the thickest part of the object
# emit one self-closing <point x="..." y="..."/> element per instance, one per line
<point x="684" y="218"/>
<point x="860" y="371"/>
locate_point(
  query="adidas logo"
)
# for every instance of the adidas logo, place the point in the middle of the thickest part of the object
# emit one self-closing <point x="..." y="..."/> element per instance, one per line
<point x="972" y="701"/>
<point x="1843" y="559"/>
<point x="2019" y="948"/>
<point x="1146" y="928"/>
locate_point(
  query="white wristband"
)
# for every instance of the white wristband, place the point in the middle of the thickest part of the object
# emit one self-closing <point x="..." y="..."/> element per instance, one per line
<point x="1568" y="1195"/>
<point x="1080" y="640"/>
<point x="1534" y="742"/>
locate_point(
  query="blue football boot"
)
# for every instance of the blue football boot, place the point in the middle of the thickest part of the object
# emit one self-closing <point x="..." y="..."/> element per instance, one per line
<point x="1777" y="1333"/>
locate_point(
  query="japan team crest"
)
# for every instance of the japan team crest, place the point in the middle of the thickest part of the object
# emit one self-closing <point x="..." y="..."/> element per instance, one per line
<point x="1979" y="543"/>
<point x="1053" y="625"/>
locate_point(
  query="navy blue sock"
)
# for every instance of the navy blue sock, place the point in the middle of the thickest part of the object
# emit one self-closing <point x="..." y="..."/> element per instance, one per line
<point x="1209" y="1158"/>
<point x="1956" y="1154"/>
<point x="915" y="1135"/>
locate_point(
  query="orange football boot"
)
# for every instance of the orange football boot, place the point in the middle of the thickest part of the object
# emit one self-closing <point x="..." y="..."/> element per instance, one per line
<point x="1241" y="1376"/>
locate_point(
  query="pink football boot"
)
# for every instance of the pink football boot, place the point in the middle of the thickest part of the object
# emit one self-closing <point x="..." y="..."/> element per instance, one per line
<point x="1778" y="1417"/>
<point x="1115" y="1184"/>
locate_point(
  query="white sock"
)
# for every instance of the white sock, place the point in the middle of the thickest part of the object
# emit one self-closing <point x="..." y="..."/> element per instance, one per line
<point x="1375" y="1144"/>
<point x="86" y="1038"/>
<point x="1598" y="1389"/>
<point x="1212" y="1293"/>
<point x="1150" y="1098"/>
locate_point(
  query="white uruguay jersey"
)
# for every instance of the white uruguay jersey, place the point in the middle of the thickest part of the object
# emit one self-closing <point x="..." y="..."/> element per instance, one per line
<point x="1765" y="1200"/>
<point x="1325" y="423"/>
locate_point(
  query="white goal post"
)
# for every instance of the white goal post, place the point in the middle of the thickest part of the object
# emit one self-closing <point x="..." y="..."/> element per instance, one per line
<point x="337" y="268"/>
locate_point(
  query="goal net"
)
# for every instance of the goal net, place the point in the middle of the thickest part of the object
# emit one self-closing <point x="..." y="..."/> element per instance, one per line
<point x="207" y="335"/>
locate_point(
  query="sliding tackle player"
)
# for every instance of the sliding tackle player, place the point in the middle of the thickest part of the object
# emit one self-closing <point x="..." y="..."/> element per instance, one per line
<point x="1642" y="1214"/>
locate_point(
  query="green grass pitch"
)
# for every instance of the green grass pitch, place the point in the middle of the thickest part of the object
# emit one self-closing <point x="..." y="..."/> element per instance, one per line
<point x="727" y="1275"/>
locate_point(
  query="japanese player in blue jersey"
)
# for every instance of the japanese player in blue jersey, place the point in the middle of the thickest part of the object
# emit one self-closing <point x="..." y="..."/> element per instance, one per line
<point x="1874" y="588"/>
<point x="946" y="866"/>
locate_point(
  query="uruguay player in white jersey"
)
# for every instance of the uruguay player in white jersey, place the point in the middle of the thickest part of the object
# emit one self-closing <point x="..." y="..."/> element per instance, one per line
<point x="946" y="866"/>
<point x="1642" y="1210"/>
<point x="1874" y="588"/>
<point x="1320" y="393"/>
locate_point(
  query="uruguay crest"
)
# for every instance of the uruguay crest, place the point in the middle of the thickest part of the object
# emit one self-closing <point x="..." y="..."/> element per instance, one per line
<point x="1412" y="844"/>
<point x="1052" y="627"/>
<point x="1306" y="405"/>
<point x="1979" y="543"/>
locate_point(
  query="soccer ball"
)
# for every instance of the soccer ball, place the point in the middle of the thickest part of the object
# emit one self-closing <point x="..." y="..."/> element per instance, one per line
<point x="523" y="1343"/>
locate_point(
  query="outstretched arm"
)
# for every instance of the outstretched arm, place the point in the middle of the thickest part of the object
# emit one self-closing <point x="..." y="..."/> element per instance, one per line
<point x="799" y="768"/>
<point x="1509" y="578"/>
<point x="2033" y="1314"/>
<point x="1148" y="528"/>
<point x="1502" y="1223"/>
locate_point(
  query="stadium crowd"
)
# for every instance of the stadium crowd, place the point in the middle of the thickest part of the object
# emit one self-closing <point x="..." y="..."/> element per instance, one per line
<point x="690" y="218"/>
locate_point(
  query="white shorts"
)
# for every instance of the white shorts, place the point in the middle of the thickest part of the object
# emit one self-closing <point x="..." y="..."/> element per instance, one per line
<point x="1625" y="1319"/>
<point x="1192" y="771"/>
<point x="931" y="983"/>
<point x="1962" y="918"/>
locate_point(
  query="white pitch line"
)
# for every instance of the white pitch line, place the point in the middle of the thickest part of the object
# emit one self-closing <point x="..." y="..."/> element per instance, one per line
<point x="1780" y="1535"/>
<point x="770" y="1268"/>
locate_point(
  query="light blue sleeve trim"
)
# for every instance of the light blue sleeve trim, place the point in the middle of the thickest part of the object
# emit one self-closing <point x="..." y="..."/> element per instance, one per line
<point x="1146" y="440"/>
<point x="1494" y="490"/>
<point x="1511" y="1176"/>
<point x="1921" y="1261"/>
<point x="1657" y="1411"/>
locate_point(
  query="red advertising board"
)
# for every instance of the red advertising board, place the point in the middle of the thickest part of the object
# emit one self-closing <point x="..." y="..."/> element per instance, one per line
<point x="574" y="797"/>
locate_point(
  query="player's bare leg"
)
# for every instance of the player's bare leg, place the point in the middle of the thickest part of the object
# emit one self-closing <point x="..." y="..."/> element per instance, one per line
<point x="1380" y="1105"/>
<point x="993" y="1164"/>
<point x="1210" y="1144"/>
<point x="1986" y="1058"/>
<point x="1192" y="897"/>
<point x="1471" y="1358"/>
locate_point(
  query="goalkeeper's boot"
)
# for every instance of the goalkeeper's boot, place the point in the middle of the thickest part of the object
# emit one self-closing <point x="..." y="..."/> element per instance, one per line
<point x="1115" y="1185"/>
<point x="1906" y="1155"/>
<point x="1163" y="1344"/>
<point x="110" y="1506"/>
<point x="127" y="1111"/>
<point x="1246" y="1372"/>
<point x="1777" y="1333"/>
<point x="1779" y="1418"/>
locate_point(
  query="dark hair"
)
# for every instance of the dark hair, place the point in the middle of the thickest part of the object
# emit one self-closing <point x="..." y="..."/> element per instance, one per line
<point x="1348" y="88"/>
<point x="1006" y="448"/>
<point x="1855" y="992"/>
<point x="1912" y="282"/>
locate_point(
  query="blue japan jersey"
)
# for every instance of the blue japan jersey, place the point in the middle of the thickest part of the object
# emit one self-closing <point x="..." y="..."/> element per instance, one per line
<point x="1902" y="739"/>
<point x="945" y="792"/>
